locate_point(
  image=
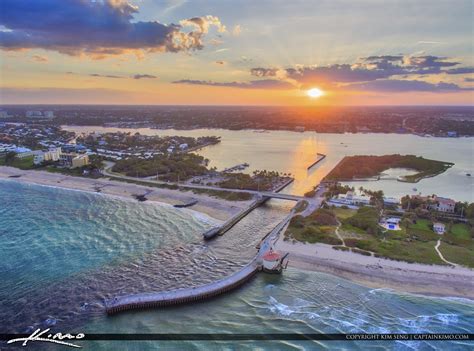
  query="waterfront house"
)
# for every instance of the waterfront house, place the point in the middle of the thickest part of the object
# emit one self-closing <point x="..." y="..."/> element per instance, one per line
<point x="436" y="203"/>
<point x="350" y="199"/>
<point x="443" y="204"/>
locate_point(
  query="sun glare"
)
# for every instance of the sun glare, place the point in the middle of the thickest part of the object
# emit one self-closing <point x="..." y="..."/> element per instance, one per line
<point x="315" y="93"/>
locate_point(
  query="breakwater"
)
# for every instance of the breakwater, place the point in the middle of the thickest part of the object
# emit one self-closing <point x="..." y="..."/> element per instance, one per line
<point x="318" y="159"/>
<point x="179" y="296"/>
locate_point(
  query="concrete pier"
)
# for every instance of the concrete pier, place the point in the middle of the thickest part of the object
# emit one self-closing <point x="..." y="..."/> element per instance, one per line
<point x="179" y="296"/>
<point x="233" y="221"/>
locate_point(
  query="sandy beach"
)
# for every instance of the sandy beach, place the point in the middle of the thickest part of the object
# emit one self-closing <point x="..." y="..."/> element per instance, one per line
<point x="381" y="273"/>
<point x="214" y="207"/>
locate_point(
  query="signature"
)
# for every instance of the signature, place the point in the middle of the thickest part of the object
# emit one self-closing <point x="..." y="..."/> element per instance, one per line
<point x="57" y="338"/>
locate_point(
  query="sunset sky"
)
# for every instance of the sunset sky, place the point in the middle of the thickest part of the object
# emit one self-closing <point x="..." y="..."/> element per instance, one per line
<point x="364" y="52"/>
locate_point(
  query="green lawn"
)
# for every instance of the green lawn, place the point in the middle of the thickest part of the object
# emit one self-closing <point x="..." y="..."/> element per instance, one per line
<point x="461" y="231"/>
<point x="422" y="224"/>
<point x="459" y="235"/>
<point x="343" y="213"/>
<point x="313" y="234"/>
<point x="416" y="251"/>
<point x="457" y="254"/>
<point x="21" y="163"/>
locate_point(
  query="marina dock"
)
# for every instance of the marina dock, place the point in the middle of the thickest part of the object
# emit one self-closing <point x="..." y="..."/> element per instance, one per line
<point x="318" y="159"/>
<point x="239" y="167"/>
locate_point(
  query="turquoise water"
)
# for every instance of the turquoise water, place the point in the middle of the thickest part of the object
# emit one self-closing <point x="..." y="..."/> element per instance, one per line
<point x="63" y="252"/>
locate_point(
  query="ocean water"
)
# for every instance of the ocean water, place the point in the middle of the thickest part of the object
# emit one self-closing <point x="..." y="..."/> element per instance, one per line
<point x="63" y="252"/>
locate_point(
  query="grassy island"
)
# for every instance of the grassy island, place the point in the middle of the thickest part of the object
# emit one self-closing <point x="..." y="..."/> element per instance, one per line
<point x="360" y="167"/>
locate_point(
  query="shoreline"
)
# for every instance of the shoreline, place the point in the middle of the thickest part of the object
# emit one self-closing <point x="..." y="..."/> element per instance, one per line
<point x="218" y="209"/>
<point x="434" y="280"/>
<point x="381" y="273"/>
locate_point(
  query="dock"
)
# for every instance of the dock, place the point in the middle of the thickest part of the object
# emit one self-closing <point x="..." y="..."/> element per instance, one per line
<point x="319" y="158"/>
<point x="238" y="167"/>
<point x="211" y="233"/>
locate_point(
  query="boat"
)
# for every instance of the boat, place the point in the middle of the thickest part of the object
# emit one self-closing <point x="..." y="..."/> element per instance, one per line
<point x="468" y="174"/>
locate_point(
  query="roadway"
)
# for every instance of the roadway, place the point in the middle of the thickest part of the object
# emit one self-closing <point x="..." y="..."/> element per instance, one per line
<point x="107" y="171"/>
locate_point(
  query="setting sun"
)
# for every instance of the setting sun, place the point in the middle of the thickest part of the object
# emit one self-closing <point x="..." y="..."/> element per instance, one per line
<point x="315" y="93"/>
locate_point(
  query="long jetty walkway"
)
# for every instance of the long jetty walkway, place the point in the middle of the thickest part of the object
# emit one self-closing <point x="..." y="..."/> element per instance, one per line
<point x="179" y="296"/>
<point x="220" y="230"/>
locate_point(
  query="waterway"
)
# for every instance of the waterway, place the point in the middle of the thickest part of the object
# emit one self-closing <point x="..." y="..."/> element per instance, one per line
<point x="292" y="152"/>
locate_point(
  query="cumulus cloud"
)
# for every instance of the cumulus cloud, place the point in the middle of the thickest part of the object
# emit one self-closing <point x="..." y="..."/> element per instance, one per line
<point x="396" y="85"/>
<point x="366" y="69"/>
<point x="95" y="28"/>
<point x="141" y="76"/>
<point x="254" y="84"/>
<point x="264" y="72"/>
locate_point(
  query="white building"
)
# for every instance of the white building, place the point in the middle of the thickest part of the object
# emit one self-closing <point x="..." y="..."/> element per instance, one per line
<point x="34" y="114"/>
<point x="48" y="114"/>
<point x="349" y="199"/>
<point x="183" y="146"/>
<point x="40" y="114"/>
<point x="53" y="155"/>
<point x="439" y="228"/>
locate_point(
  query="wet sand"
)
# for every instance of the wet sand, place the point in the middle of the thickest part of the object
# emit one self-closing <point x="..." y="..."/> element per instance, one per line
<point x="436" y="280"/>
<point x="214" y="207"/>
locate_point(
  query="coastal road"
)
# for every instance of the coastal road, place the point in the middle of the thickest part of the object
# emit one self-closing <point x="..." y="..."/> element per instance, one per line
<point x="108" y="166"/>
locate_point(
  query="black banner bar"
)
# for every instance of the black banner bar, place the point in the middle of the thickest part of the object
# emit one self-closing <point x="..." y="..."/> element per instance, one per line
<point x="263" y="337"/>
